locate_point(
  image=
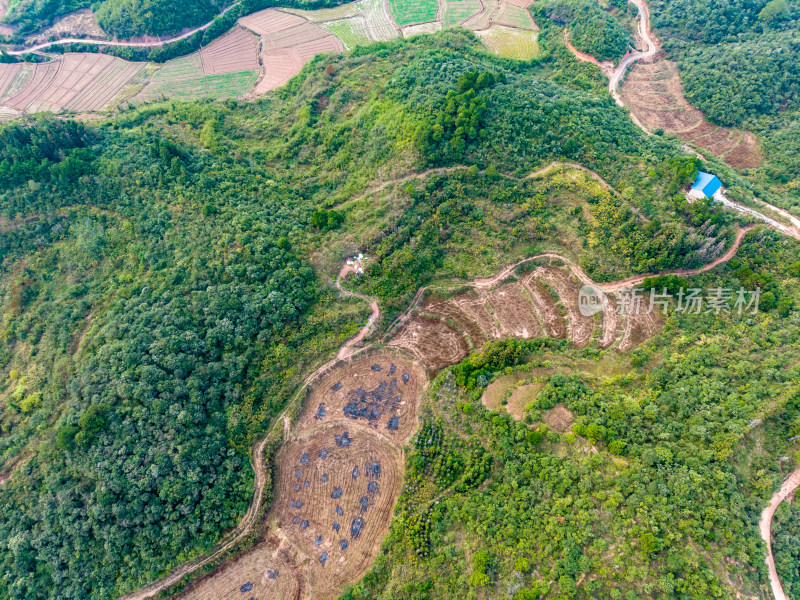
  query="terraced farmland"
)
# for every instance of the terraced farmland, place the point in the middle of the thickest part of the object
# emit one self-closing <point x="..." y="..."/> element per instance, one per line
<point x="226" y="85"/>
<point x="7" y="74"/>
<point x="231" y="66"/>
<point x="76" y="83"/>
<point x="351" y="31"/>
<point x="542" y="301"/>
<point x="457" y="11"/>
<point x="235" y="52"/>
<point x="380" y="26"/>
<point x="288" y="41"/>
<point x="654" y="94"/>
<point x="410" y="12"/>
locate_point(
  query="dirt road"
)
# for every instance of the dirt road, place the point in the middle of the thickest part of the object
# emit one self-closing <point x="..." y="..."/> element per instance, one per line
<point x="245" y="526"/>
<point x="615" y="286"/>
<point x="629" y="59"/>
<point x="124" y="44"/>
<point x="765" y="525"/>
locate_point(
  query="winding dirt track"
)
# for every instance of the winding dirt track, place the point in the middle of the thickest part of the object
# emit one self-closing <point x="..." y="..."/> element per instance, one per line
<point x="155" y="44"/>
<point x="247" y="523"/>
<point x="351" y="348"/>
<point x="765" y="525"/>
<point x="646" y="36"/>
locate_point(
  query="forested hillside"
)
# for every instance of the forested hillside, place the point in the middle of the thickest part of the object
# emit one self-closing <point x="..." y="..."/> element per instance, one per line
<point x="590" y="28"/>
<point x="739" y="65"/>
<point x="127" y="19"/>
<point x="165" y="286"/>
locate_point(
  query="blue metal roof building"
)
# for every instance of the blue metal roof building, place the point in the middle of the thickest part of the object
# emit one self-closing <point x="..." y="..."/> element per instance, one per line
<point x="707" y="183"/>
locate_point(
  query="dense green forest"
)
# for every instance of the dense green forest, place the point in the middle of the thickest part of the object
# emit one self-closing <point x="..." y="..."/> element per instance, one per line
<point x="165" y="286"/>
<point x="739" y="65"/>
<point x="654" y="490"/>
<point x="590" y="28"/>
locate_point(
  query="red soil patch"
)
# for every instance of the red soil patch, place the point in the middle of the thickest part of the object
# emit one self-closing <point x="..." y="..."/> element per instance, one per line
<point x="517" y="315"/>
<point x="475" y="308"/>
<point x="334" y="503"/>
<point x="559" y="418"/>
<point x="379" y="392"/>
<point x="640" y="327"/>
<point x="611" y="325"/>
<point x="745" y="155"/>
<point x="652" y="109"/>
<point x="270" y="568"/>
<point x="580" y="326"/>
<point x="554" y="323"/>
<point x="433" y="341"/>
<point x="232" y="53"/>
<point x="453" y="313"/>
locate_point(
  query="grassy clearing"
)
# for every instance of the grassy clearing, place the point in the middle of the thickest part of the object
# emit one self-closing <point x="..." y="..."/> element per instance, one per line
<point x="409" y="12"/>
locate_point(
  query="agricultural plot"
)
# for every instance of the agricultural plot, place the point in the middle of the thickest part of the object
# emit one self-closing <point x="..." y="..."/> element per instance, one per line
<point x="457" y="11"/>
<point x="227" y="85"/>
<point x="279" y="67"/>
<point x="43" y="75"/>
<point x="514" y="16"/>
<point x="411" y="12"/>
<point x="351" y="31"/>
<point x="19" y="80"/>
<point x="234" y="52"/>
<point x="334" y="498"/>
<point x="541" y="303"/>
<point x="345" y="11"/>
<point x="105" y="87"/>
<point x="380" y="26"/>
<point x="336" y="481"/>
<point x="654" y="93"/>
<point x="580" y="326"/>
<point x="227" y="68"/>
<point x="7" y="74"/>
<point x="509" y="42"/>
<point x="289" y="40"/>
<point x="270" y="21"/>
<point x="433" y="341"/>
<point x="179" y="69"/>
<point x="376" y="392"/>
<point x="513" y="310"/>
